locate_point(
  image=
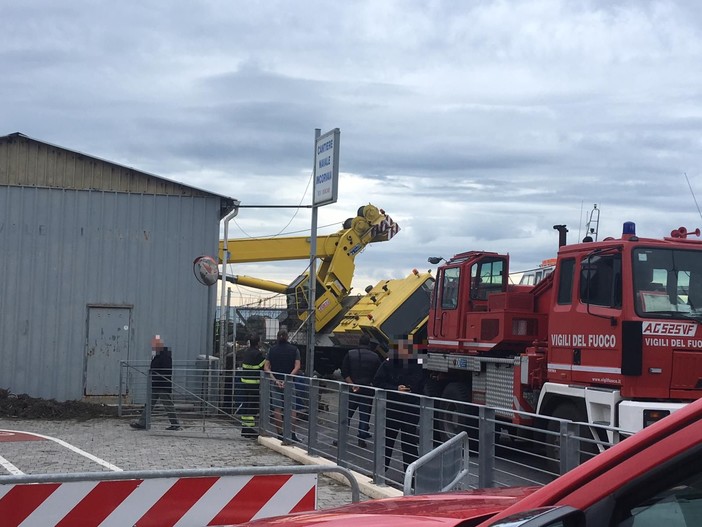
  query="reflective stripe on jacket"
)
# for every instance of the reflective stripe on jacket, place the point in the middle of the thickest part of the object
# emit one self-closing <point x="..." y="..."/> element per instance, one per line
<point x="252" y="364"/>
<point x="253" y="369"/>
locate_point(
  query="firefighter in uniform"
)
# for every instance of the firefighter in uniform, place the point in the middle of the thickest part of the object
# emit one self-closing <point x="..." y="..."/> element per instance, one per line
<point x="252" y="364"/>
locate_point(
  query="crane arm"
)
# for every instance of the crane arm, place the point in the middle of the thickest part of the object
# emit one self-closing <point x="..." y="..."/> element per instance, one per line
<point x="369" y="226"/>
<point x="337" y="253"/>
<point x="247" y="250"/>
<point x="257" y="283"/>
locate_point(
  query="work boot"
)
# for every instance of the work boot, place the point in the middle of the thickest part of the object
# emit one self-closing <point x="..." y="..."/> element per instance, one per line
<point x="249" y="433"/>
<point x="137" y="426"/>
<point x="362" y="443"/>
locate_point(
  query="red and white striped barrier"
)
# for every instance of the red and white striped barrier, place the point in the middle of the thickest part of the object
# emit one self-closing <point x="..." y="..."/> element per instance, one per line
<point x="163" y="502"/>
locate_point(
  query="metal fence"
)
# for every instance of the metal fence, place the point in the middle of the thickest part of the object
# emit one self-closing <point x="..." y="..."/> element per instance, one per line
<point x="442" y="469"/>
<point x="203" y="396"/>
<point x="314" y="416"/>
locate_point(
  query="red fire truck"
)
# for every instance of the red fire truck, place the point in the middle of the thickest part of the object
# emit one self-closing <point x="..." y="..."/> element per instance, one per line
<point x="612" y="336"/>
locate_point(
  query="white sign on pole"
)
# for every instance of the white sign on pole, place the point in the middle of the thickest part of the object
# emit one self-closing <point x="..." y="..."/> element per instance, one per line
<point x="326" y="168"/>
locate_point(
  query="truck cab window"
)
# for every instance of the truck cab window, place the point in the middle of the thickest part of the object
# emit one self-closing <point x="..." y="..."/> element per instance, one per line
<point x="449" y="287"/>
<point x="486" y="277"/>
<point x="565" y="281"/>
<point x="601" y="280"/>
<point x="667" y="282"/>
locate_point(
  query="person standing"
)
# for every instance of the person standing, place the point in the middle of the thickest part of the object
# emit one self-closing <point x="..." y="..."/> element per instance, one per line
<point x="252" y="364"/>
<point x="283" y="359"/>
<point x="161" y="378"/>
<point x="358" y="369"/>
<point x="402" y="375"/>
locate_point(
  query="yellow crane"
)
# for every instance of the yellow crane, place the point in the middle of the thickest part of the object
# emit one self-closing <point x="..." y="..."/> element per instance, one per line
<point x="336" y="252"/>
<point x="391" y="309"/>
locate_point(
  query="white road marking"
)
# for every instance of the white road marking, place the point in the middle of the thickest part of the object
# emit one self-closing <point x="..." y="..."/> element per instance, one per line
<point x="10" y="467"/>
<point x="70" y="447"/>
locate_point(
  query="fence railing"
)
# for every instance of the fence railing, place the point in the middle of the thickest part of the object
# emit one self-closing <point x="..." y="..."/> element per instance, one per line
<point x="313" y="414"/>
<point x="440" y="470"/>
<point x="202" y="396"/>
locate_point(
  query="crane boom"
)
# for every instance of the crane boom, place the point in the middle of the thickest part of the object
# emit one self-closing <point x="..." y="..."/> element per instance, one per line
<point x="337" y="253"/>
<point x="248" y="250"/>
<point x="369" y="226"/>
<point x="258" y="283"/>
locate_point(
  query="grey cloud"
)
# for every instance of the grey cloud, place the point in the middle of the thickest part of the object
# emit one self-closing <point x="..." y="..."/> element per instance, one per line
<point x="480" y="125"/>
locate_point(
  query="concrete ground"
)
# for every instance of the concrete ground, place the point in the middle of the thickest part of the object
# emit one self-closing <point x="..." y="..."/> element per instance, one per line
<point x="113" y="441"/>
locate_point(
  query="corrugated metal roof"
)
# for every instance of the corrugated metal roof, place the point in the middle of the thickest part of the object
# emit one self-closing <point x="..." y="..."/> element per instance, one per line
<point x="28" y="162"/>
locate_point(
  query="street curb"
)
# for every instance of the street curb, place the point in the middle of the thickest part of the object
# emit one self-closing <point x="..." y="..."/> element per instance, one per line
<point x="365" y="484"/>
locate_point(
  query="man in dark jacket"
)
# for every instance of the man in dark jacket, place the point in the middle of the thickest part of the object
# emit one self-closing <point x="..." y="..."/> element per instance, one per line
<point x="358" y="369"/>
<point x="283" y="359"/>
<point x="252" y="364"/>
<point x="160" y="375"/>
<point x="401" y="375"/>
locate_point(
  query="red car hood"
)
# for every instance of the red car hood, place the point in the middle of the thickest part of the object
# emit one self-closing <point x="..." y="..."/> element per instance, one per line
<point x="446" y="509"/>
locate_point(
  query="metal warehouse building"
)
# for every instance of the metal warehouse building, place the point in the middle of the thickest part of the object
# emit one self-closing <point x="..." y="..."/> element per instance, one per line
<point x="96" y="258"/>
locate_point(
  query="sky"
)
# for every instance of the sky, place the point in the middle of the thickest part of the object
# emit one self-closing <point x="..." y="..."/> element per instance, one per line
<point x="476" y="125"/>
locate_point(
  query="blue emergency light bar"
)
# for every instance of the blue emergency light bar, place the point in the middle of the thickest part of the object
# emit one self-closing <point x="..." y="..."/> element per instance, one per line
<point x="629" y="228"/>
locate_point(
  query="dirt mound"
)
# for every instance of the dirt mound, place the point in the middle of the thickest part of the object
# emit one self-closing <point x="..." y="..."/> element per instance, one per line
<point x="27" y="407"/>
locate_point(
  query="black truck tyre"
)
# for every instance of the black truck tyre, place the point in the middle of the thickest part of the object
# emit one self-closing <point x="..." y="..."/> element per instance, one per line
<point x="568" y="411"/>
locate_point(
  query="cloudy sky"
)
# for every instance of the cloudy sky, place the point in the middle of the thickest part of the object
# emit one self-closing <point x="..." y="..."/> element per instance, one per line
<point x="474" y="124"/>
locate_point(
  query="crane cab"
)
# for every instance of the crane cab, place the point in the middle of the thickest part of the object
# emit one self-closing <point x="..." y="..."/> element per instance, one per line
<point x="475" y="310"/>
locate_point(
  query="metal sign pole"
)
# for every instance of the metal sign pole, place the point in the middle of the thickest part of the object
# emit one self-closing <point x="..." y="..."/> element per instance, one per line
<point x="312" y="298"/>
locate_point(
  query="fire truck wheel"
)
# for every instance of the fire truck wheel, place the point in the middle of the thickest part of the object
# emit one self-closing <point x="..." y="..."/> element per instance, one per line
<point x="454" y="416"/>
<point x="569" y="412"/>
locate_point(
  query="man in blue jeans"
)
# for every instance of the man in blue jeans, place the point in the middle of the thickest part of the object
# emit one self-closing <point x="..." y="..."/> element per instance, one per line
<point x="358" y="369"/>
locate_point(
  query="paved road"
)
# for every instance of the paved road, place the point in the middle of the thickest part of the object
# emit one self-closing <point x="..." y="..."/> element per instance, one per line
<point x="113" y="441"/>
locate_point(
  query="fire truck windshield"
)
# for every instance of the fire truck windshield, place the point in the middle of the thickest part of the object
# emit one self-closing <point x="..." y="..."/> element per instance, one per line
<point x="667" y="282"/>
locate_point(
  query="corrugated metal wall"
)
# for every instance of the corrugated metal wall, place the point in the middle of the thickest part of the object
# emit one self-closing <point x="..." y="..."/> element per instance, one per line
<point x="65" y="250"/>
